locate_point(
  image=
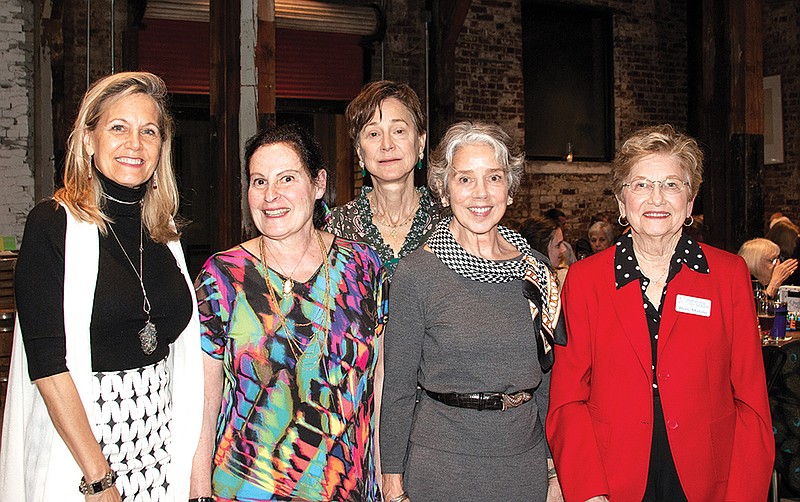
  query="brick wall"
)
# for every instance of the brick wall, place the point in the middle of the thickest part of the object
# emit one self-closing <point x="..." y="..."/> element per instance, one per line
<point x="649" y="69"/>
<point x="401" y="56"/>
<point x="16" y="85"/>
<point x="782" y="57"/>
<point x="650" y="87"/>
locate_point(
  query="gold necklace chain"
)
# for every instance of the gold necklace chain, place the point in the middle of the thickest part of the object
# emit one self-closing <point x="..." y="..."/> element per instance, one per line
<point x="392" y="226"/>
<point x="296" y="347"/>
<point x="288" y="282"/>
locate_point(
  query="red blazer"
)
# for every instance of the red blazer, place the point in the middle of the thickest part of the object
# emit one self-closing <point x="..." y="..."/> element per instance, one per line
<point x="710" y="378"/>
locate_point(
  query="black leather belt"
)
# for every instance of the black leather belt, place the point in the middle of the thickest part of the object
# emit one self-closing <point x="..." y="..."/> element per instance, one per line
<point x="483" y="400"/>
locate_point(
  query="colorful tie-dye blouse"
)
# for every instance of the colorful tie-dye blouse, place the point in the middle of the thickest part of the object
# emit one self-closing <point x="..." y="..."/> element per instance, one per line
<point x="289" y="429"/>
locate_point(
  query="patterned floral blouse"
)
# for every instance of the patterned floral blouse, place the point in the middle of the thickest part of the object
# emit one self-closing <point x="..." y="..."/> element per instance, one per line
<point x="354" y="221"/>
<point x="294" y="423"/>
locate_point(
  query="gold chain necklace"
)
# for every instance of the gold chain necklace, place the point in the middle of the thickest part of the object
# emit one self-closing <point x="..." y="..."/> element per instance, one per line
<point x="663" y="276"/>
<point x="392" y="226"/>
<point x="319" y="343"/>
<point x="288" y="283"/>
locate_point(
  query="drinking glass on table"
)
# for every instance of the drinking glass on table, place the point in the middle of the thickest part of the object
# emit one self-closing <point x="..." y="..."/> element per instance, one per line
<point x="765" y="309"/>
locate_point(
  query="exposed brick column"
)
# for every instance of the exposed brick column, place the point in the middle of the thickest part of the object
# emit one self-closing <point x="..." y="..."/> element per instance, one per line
<point x="16" y="86"/>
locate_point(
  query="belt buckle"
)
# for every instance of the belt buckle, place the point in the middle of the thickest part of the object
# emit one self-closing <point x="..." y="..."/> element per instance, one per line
<point x="514" y="400"/>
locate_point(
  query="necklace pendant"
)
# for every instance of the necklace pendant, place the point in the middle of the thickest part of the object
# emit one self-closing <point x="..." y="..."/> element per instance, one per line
<point x="288" y="286"/>
<point x="148" y="339"/>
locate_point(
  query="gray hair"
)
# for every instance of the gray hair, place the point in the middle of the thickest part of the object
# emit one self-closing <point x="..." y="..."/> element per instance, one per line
<point x="602" y="227"/>
<point x="506" y="152"/>
<point x="660" y="139"/>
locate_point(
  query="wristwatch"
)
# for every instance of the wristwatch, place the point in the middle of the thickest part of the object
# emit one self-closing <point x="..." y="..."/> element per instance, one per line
<point x="98" y="486"/>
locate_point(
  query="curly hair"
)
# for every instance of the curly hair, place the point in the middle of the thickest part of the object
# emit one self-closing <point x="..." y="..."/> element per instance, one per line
<point x="659" y="139"/>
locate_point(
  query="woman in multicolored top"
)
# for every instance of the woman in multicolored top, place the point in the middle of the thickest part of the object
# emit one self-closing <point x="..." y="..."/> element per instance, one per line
<point x="387" y="126"/>
<point x="291" y="325"/>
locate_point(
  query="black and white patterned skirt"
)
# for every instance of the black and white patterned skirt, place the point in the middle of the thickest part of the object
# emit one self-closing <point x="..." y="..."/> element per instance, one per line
<point x="134" y="409"/>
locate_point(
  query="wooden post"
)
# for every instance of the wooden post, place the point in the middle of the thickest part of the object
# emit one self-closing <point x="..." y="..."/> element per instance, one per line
<point x="447" y="20"/>
<point x="265" y="63"/>
<point x="224" y="20"/>
<point x="746" y="121"/>
<point x="726" y="113"/>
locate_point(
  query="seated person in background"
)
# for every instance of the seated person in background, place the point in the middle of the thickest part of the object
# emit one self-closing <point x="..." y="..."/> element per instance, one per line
<point x="583" y="247"/>
<point x="601" y="236"/>
<point x="560" y="219"/>
<point x="546" y="237"/>
<point x="784" y="233"/>
<point x="763" y="260"/>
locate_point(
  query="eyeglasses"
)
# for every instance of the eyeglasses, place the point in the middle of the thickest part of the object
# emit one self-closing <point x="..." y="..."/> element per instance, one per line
<point x="643" y="186"/>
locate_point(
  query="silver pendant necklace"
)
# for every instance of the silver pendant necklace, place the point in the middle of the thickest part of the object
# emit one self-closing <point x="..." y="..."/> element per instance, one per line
<point x="147" y="335"/>
<point x="127" y="203"/>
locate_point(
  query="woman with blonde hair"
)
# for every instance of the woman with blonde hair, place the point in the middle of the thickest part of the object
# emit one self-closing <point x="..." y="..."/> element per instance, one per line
<point x="103" y="400"/>
<point x="766" y="268"/>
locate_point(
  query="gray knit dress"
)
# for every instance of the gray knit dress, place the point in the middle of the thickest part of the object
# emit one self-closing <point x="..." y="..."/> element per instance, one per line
<point x="448" y="333"/>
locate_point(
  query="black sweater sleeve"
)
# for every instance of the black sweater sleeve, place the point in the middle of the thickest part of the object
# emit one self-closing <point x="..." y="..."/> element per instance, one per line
<point x="39" y="290"/>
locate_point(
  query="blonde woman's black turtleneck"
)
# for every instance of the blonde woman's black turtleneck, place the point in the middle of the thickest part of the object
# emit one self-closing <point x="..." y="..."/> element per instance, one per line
<point x="117" y="314"/>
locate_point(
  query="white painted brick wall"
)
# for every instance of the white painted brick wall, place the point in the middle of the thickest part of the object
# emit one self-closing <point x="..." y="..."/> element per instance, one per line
<point x="16" y="130"/>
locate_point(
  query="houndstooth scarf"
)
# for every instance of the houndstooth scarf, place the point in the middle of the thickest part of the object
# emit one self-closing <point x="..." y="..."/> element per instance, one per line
<point x="473" y="267"/>
<point x="541" y="284"/>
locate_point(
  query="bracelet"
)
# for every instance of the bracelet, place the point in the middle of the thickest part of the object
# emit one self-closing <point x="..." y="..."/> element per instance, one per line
<point x="98" y="486"/>
<point x="551" y="473"/>
<point x="400" y="498"/>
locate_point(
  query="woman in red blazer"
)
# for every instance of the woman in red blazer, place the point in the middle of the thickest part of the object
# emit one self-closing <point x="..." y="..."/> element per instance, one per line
<point x="660" y="394"/>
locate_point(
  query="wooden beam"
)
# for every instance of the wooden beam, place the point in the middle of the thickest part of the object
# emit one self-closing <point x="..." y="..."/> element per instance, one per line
<point x="447" y="20"/>
<point x="224" y="121"/>
<point x="265" y="52"/>
<point x="343" y="170"/>
<point x="726" y="115"/>
<point x="452" y="15"/>
<point x="43" y="123"/>
<point x="746" y="122"/>
<point x="747" y="66"/>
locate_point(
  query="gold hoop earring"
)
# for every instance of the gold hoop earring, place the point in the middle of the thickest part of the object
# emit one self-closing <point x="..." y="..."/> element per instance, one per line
<point x="621" y="223"/>
<point x="688" y="222"/>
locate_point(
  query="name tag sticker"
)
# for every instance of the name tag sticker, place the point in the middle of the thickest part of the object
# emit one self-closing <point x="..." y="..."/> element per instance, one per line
<point x="693" y="305"/>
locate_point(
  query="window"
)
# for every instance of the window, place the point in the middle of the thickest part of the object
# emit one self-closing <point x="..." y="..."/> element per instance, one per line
<point x="567" y="69"/>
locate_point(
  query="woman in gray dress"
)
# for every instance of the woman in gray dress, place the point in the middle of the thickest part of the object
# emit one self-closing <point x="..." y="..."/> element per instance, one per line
<point x="473" y="317"/>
